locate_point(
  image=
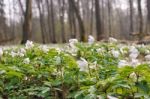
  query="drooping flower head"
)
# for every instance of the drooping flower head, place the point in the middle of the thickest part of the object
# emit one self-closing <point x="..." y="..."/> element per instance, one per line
<point x="29" y="44"/>
<point x="83" y="64"/>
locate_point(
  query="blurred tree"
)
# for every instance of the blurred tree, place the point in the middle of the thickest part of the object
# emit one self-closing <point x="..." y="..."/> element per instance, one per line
<point x="109" y="17"/>
<point x="27" y="25"/>
<point x="140" y="19"/>
<point x="80" y="21"/>
<point x="91" y="18"/>
<point x="49" y="21"/>
<point x="148" y="16"/>
<point x="72" y="20"/>
<point x="53" y="21"/>
<point x="131" y="16"/>
<point x="42" y="24"/>
<point x="3" y="25"/>
<point x="98" y="20"/>
<point x="61" y="15"/>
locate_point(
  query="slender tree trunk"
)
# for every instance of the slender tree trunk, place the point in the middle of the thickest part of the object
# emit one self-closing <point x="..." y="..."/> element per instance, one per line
<point x="109" y="18"/>
<point x="49" y="21"/>
<point x="131" y="16"/>
<point x="72" y="20"/>
<point x="140" y="19"/>
<point x="148" y="16"/>
<point x="98" y="20"/>
<point x="80" y="21"/>
<point x="91" y="23"/>
<point x="53" y="22"/>
<point x="27" y="25"/>
<point x="61" y="15"/>
<point x="42" y="25"/>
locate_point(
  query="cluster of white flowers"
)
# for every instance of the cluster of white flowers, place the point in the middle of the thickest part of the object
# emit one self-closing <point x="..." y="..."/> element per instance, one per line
<point x="26" y="61"/>
<point x="122" y="63"/>
<point x="123" y="49"/>
<point x="115" y="53"/>
<point x="147" y="57"/>
<point x="133" y="52"/>
<point x="91" y="39"/>
<point x="72" y="46"/>
<point x="20" y="53"/>
<point x="29" y="44"/>
<point x="112" y="40"/>
<point x="135" y="62"/>
<point x="44" y="48"/>
<point x="13" y="54"/>
<point x="83" y="64"/>
<point x="100" y="50"/>
<point x="72" y="42"/>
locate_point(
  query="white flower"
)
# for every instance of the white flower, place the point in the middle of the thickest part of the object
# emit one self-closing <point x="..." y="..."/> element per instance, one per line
<point x="20" y="54"/>
<point x="83" y="64"/>
<point x="91" y="39"/>
<point x="112" y="40"/>
<point x="133" y="55"/>
<point x="13" y="54"/>
<point x="147" y="51"/>
<point x="147" y="57"/>
<point x="135" y="62"/>
<point x="123" y="49"/>
<point x="72" y="42"/>
<point x="99" y="50"/>
<point x="122" y="63"/>
<point x="111" y="97"/>
<point x="93" y="65"/>
<point x="44" y="48"/>
<point x="133" y="76"/>
<point x="58" y="50"/>
<point x="133" y="52"/>
<point x="1" y="52"/>
<point x="115" y="53"/>
<point x="58" y="60"/>
<point x="22" y="50"/>
<point x="2" y="72"/>
<point x="26" y="61"/>
<point x="29" y="44"/>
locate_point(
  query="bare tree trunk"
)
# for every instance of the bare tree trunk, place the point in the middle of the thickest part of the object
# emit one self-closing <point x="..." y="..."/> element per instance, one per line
<point x="98" y="20"/>
<point x="61" y="15"/>
<point x="91" y="23"/>
<point x="148" y="16"/>
<point x="49" y="21"/>
<point x="131" y="16"/>
<point x="80" y="22"/>
<point x="27" y="25"/>
<point x="53" y="22"/>
<point x="140" y="19"/>
<point x="72" y="20"/>
<point x="42" y="25"/>
<point x="109" y="18"/>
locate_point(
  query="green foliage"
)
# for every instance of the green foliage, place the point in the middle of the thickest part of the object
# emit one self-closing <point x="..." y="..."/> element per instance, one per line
<point x="56" y="74"/>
